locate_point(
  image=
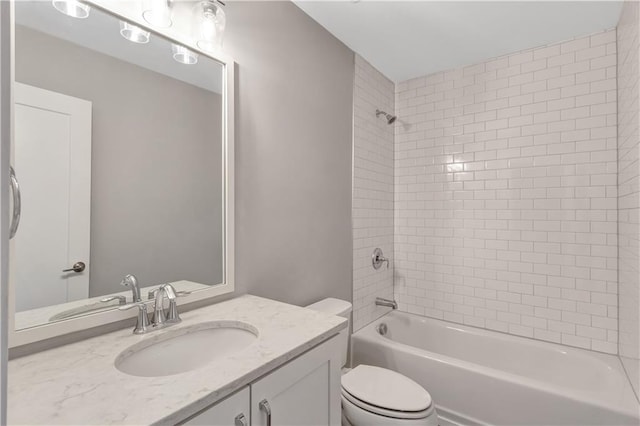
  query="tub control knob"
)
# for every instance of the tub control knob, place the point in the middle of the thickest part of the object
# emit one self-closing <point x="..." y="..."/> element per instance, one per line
<point x="377" y="259"/>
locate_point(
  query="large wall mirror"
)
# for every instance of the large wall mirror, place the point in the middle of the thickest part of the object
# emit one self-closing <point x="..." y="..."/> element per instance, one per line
<point x="120" y="159"/>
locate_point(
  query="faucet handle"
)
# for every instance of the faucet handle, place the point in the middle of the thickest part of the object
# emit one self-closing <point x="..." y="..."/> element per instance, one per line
<point x="142" y="325"/>
<point x="121" y="299"/>
<point x="139" y="305"/>
<point x="152" y="293"/>
<point x="377" y="259"/>
<point x="172" y="314"/>
<point x="181" y="293"/>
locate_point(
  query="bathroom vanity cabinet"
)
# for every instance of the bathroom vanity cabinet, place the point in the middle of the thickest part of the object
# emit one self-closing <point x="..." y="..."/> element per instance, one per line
<point x="293" y="363"/>
<point x="305" y="391"/>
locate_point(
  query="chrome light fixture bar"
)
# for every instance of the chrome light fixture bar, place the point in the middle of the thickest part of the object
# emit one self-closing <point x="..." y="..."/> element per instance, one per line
<point x="208" y="23"/>
<point x="73" y="8"/>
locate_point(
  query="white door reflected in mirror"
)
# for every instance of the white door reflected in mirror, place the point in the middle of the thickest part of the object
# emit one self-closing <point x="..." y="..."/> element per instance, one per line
<point x="52" y="158"/>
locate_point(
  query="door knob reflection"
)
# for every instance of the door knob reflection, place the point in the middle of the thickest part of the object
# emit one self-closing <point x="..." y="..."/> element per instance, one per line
<point x="77" y="267"/>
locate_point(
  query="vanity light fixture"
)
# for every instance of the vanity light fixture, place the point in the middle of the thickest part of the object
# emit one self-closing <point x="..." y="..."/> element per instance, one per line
<point x="134" y="33"/>
<point x="73" y="8"/>
<point x="184" y="55"/>
<point x="157" y="13"/>
<point x="208" y="24"/>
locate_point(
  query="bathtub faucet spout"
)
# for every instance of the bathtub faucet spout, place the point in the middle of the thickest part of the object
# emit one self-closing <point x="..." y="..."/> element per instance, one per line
<point x="386" y="302"/>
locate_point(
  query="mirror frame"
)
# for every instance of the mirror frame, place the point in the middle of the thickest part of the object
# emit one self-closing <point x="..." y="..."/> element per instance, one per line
<point x="123" y="10"/>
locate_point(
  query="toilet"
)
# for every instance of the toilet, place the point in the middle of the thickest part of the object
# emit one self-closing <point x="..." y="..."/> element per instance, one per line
<point x="377" y="396"/>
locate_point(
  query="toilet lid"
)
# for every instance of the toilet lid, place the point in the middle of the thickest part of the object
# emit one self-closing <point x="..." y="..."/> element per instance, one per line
<point x="347" y="399"/>
<point x="386" y="389"/>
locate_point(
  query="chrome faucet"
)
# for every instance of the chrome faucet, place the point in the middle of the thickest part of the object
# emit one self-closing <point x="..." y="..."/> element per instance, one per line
<point x="160" y="318"/>
<point x="142" y="325"/>
<point x="132" y="281"/>
<point x="386" y="302"/>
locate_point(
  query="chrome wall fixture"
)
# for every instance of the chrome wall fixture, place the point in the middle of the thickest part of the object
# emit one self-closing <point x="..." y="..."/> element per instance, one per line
<point x="390" y="118"/>
<point x="388" y="303"/>
<point x="207" y="23"/>
<point x="377" y="259"/>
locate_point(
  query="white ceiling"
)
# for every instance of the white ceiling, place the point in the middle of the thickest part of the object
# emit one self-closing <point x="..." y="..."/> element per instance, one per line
<point x="406" y="39"/>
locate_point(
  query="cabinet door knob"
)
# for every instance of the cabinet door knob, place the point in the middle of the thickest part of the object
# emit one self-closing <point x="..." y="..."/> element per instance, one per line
<point x="240" y="420"/>
<point x="264" y="406"/>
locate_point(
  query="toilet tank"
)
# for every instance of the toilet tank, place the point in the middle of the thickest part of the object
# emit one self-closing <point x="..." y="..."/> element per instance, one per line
<point x="340" y="308"/>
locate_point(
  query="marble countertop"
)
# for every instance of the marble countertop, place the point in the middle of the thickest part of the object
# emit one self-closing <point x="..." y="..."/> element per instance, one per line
<point x="79" y="383"/>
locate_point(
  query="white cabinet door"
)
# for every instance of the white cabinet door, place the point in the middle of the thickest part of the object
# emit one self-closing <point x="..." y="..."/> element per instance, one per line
<point x="303" y="392"/>
<point x="232" y="411"/>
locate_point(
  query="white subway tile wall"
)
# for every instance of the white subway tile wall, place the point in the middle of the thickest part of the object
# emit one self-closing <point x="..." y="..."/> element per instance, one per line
<point x="372" y="191"/>
<point x="506" y="194"/>
<point x="628" y="189"/>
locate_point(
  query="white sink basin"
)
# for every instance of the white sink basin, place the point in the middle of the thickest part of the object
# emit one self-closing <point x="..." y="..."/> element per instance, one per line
<point x="185" y="349"/>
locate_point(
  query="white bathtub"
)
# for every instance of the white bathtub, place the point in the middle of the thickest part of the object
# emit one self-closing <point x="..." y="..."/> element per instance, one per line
<point x="481" y="377"/>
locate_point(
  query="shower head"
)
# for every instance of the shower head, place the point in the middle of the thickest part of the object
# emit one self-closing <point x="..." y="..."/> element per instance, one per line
<point x="390" y="118"/>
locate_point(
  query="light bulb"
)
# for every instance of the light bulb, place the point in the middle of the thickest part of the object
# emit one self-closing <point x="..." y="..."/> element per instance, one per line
<point x="133" y="33"/>
<point x="208" y="25"/>
<point x="157" y="13"/>
<point x="73" y="8"/>
<point x="184" y="55"/>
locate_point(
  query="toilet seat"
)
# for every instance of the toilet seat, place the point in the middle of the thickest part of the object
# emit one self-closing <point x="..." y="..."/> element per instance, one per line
<point x="379" y="411"/>
<point x="385" y="392"/>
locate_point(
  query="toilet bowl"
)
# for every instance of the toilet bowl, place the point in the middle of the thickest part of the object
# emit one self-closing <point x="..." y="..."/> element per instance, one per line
<point x="377" y="396"/>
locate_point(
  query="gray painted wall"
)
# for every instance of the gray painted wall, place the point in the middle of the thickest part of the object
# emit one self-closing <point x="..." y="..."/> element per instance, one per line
<point x="156" y="160"/>
<point x="294" y="107"/>
<point x="293" y="153"/>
